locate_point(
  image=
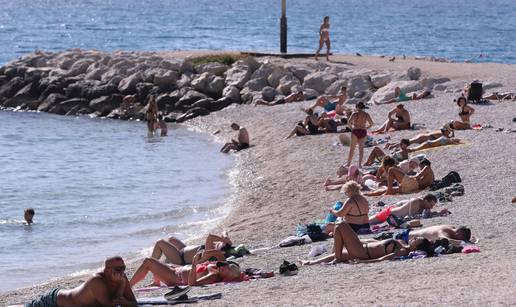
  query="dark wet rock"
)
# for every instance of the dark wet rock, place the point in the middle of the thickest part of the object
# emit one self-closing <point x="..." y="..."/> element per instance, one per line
<point x="64" y="107"/>
<point x="12" y="87"/>
<point x="192" y="113"/>
<point x="127" y="86"/>
<point x="167" y="101"/>
<point x="143" y="89"/>
<point x="50" y="101"/>
<point x="219" y="104"/>
<point x="105" y="104"/>
<point x="203" y="103"/>
<point x="189" y="98"/>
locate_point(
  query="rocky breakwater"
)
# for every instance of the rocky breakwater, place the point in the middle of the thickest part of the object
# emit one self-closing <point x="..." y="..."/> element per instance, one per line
<point x="76" y="82"/>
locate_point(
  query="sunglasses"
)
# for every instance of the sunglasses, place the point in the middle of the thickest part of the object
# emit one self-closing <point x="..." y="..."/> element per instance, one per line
<point x="118" y="269"/>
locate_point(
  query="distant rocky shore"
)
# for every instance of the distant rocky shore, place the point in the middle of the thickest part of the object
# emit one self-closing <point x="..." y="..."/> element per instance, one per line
<point x="76" y="82"/>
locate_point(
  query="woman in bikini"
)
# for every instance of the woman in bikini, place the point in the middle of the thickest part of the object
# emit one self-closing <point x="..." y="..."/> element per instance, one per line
<point x="324" y="37"/>
<point x="358" y="122"/>
<point x="465" y="112"/>
<point x="446" y="131"/>
<point x="441" y="141"/>
<point x="199" y="273"/>
<point x="349" y="248"/>
<point x="356" y="209"/>
<point x="310" y="126"/>
<point x="176" y="252"/>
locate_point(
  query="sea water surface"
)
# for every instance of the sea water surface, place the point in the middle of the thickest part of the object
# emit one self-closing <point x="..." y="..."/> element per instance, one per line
<point x="458" y="29"/>
<point x="99" y="188"/>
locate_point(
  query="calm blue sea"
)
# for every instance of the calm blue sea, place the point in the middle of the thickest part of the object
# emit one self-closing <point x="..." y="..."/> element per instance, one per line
<point x="458" y="29"/>
<point x="99" y="188"/>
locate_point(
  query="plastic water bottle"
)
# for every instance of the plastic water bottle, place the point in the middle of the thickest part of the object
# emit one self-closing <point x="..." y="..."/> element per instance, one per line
<point x="338" y="205"/>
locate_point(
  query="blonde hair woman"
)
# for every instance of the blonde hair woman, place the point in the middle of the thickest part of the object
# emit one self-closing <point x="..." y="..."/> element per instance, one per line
<point x="355" y="210"/>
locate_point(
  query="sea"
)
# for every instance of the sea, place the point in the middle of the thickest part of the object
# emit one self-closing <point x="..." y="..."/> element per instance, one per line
<point x="102" y="187"/>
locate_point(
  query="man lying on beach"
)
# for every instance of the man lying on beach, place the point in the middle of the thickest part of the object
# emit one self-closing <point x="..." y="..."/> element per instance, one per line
<point x="199" y="273"/>
<point x="406" y="183"/>
<point x="349" y="248"/>
<point x="107" y="288"/>
<point x="411" y="207"/>
<point x="377" y="154"/>
<point x="176" y="252"/>
<point x="297" y="96"/>
<point x="398" y="119"/>
<point x="241" y="143"/>
<point x="446" y="131"/>
<point x="433" y="233"/>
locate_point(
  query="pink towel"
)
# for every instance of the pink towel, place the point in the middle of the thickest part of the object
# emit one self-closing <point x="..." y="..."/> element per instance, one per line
<point x="468" y="249"/>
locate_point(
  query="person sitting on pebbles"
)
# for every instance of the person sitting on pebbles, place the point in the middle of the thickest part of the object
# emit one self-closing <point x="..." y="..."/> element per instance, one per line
<point x="465" y="113"/>
<point x="398" y="119"/>
<point x="377" y="154"/>
<point x="446" y="131"/>
<point x="415" y="206"/>
<point x="349" y="248"/>
<point x="406" y="183"/>
<point x="242" y="141"/>
<point x="333" y="102"/>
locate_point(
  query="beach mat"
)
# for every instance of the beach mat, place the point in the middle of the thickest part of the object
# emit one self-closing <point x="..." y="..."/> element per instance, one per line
<point x="160" y="300"/>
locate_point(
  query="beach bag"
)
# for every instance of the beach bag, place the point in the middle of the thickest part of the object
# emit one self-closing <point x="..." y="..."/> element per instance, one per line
<point x="315" y="233"/>
<point x="448" y="180"/>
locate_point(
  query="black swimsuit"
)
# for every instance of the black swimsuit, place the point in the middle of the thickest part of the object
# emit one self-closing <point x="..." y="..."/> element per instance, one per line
<point x="386" y="245"/>
<point x="357" y="227"/>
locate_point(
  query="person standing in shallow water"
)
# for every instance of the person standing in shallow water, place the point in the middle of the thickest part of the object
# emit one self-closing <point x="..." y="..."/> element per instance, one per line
<point x="152" y="115"/>
<point x="28" y="214"/>
<point x="324" y="37"/>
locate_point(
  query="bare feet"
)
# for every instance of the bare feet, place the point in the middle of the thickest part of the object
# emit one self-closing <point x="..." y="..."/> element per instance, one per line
<point x="327" y="182"/>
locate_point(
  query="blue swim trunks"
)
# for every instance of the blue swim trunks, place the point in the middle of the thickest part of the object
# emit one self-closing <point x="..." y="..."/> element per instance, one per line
<point x="48" y="299"/>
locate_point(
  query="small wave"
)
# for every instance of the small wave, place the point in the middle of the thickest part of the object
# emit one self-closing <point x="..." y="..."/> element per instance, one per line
<point x="11" y="222"/>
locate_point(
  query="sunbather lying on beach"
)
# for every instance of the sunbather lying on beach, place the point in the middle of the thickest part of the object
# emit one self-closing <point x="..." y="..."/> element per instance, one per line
<point x="176" y="252"/>
<point x="425" y="93"/>
<point x="107" y="288"/>
<point x="399" y="96"/>
<point x="349" y="248"/>
<point x="242" y="141"/>
<point x="398" y="119"/>
<point x="500" y="96"/>
<point x="442" y="141"/>
<point x="355" y="209"/>
<point x="344" y="174"/>
<point x="446" y="131"/>
<point x="297" y="96"/>
<point x="406" y="183"/>
<point x="465" y="112"/>
<point x="333" y="102"/>
<point x="377" y="154"/>
<point x="409" y="207"/>
<point x="199" y="273"/>
<point x="454" y="234"/>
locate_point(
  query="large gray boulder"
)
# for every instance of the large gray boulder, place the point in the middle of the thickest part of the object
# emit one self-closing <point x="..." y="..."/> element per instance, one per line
<point x="232" y="92"/>
<point x="209" y="84"/>
<point x="184" y="81"/>
<point x="387" y="92"/>
<point x="203" y="103"/>
<point x="64" y="107"/>
<point x="359" y="84"/>
<point x="310" y="93"/>
<point x="96" y="74"/>
<point x="256" y="85"/>
<point x="127" y="86"/>
<point x="263" y="71"/>
<point x="238" y="75"/>
<point x="170" y="65"/>
<point x="192" y="113"/>
<point x="286" y="83"/>
<point x="414" y="73"/>
<point x="381" y="79"/>
<point x="220" y="104"/>
<point x="319" y="81"/>
<point x="335" y="87"/>
<point x="166" y="78"/>
<point x="299" y="71"/>
<point x="105" y="104"/>
<point x="79" y="67"/>
<point x="429" y="83"/>
<point x="214" y="68"/>
<point x="12" y="87"/>
<point x="275" y="76"/>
